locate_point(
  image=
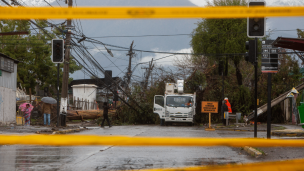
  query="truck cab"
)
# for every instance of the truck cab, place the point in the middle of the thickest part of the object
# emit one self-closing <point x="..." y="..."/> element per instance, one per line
<point x="175" y="107"/>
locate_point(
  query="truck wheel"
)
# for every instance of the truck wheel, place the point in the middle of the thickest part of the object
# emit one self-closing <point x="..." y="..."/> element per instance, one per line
<point x="162" y="122"/>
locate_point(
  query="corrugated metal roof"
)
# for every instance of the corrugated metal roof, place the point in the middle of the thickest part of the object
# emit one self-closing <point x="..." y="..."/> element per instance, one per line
<point x="9" y="80"/>
<point x="3" y="55"/>
<point x="289" y="43"/>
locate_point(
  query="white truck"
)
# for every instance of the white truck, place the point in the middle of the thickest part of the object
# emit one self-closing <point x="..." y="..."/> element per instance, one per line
<point x="175" y="107"/>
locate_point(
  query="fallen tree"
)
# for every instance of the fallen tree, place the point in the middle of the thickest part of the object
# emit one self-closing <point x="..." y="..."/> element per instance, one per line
<point x="86" y="114"/>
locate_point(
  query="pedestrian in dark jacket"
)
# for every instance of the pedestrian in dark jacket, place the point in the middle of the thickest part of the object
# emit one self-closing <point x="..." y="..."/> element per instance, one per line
<point x="224" y="109"/>
<point x="105" y="114"/>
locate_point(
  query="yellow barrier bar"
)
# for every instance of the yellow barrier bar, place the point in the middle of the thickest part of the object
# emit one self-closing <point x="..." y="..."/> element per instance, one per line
<point x="290" y="165"/>
<point x="78" y="140"/>
<point x="147" y="12"/>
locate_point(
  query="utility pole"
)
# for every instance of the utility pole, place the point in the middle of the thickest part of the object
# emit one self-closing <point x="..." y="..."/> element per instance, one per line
<point x="148" y="73"/>
<point x="130" y="54"/>
<point x="64" y="91"/>
<point x="255" y="89"/>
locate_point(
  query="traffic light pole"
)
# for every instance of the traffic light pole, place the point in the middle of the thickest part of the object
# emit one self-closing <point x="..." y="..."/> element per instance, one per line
<point x="58" y="119"/>
<point x="256" y="88"/>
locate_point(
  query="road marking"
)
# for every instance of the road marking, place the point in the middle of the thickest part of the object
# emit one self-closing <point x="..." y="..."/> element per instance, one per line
<point x="148" y="12"/>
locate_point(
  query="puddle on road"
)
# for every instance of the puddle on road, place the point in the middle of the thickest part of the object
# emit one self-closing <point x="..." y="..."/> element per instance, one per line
<point x="143" y="163"/>
<point x="33" y="158"/>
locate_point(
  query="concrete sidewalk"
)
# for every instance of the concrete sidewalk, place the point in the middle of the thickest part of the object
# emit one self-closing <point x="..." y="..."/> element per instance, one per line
<point x="36" y="129"/>
<point x="242" y="127"/>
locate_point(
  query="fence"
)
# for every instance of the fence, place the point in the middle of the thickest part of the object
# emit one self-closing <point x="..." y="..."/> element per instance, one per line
<point x="82" y="104"/>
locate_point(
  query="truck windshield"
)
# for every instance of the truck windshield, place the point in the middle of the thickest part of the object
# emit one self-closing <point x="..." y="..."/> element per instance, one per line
<point x="179" y="101"/>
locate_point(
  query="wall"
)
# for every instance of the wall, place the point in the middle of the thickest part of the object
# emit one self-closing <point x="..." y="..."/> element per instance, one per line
<point x="9" y="80"/>
<point x="8" y="84"/>
<point x="7" y="106"/>
<point x="85" y="92"/>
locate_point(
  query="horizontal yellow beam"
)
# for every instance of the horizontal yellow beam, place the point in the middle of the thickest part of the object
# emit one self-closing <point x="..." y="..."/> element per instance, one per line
<point x="78" y="140"/>
<point x="147" y="12"/>
<point x="290" y="165"/>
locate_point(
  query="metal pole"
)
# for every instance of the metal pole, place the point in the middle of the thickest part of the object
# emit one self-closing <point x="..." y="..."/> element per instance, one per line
<point x="58" y="120"/>
<point x="223" y="86"/>
<point x="256" y="90"/>
<point x="269" y="106"/>
<point x="209" y="120"/>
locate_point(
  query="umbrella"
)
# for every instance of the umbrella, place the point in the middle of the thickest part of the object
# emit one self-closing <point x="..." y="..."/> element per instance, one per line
<point x="23" y="107"/>
<point x="49" y="100"/>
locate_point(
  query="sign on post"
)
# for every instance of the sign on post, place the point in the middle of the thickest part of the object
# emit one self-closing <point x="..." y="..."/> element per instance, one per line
<point x="209" y="107"/>
<point x="270" y="57"/>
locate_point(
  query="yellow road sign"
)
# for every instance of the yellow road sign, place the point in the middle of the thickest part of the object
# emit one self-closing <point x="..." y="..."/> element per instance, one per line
<point x="209" y="107"/>
<point x="147" y="12"/>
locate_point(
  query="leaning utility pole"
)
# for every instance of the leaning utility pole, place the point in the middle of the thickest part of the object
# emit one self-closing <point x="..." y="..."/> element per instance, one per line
<point x="148" y="73"/>
<point x="130" y="54"/>
<point x="65" y="78"/>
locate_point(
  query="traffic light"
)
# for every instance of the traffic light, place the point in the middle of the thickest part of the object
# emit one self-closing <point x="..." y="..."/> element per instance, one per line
<point x="221" y="67"/>
<point x="256" y="26"/>
<point x="115" y="96"/>
<point x="57" y="50"/>
<point x="251" y="56"/>
<point x="108" y="77"/>
<point x="46" y="90"/>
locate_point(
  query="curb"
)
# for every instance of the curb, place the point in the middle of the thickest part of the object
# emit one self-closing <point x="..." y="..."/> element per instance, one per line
<point x="287" y="134"/>
<point x="244" y="130"/>
<point x="68" y="131"/>
<point x="252" y="151"/>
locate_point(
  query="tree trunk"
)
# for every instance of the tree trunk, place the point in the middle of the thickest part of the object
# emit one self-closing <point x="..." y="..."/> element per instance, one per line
<point x="238" y="73"/>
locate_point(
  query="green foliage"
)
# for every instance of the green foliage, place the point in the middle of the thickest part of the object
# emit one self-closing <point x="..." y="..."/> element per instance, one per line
<point x="214" y="36"/>
<point x="300" y="33"/>
<point x="34" y="53"/>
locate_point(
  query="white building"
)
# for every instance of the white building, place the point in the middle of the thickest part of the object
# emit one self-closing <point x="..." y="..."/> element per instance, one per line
<point x="8" y="85"/>
<point x="84" y="96"/>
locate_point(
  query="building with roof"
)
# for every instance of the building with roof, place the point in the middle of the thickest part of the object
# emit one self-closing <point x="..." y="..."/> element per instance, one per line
<point x="8" y="86"/>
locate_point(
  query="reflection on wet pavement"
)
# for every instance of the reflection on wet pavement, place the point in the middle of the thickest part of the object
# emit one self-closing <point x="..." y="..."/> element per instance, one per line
<point x="33" y="157"/>
<point x="119" y="158"/>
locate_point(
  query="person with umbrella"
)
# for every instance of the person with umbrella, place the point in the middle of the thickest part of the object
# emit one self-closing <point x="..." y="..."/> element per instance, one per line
<point x="46" y="109"/>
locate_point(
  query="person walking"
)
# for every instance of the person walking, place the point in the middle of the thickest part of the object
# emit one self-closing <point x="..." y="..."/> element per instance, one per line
<point x="46" y="110"/>
<point x="224" y="109"/>
<point x="105" y="114"/>
<point x="27" y="115"/>
<point x="294" y="106"/>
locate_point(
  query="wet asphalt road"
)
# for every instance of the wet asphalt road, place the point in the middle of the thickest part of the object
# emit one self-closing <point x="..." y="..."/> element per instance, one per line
<point x="122" y="158"/>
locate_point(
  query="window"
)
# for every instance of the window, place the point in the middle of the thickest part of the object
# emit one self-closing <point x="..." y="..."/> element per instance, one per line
<point x="179" y="101"/>
<point x="159" y="100"/>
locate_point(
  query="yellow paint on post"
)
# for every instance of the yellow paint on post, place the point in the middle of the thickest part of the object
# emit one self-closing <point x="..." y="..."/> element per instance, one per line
<point x="80" y="140"/>
<point x="148" y="12"/>
<point x="209" y="128"/>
